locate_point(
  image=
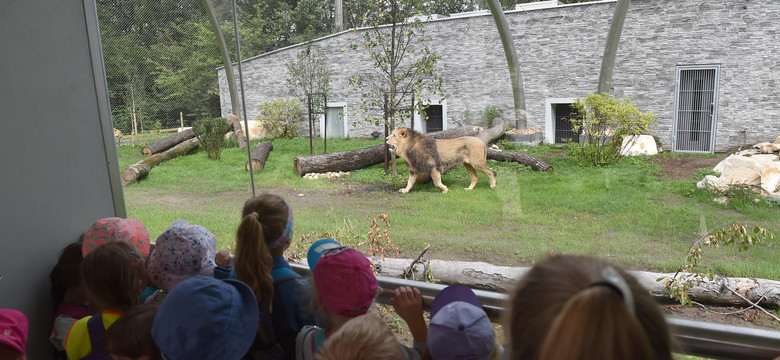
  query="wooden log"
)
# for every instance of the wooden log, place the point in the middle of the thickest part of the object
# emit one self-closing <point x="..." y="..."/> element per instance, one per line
<point x="238" y="131"/>
<point x="520" y="158"/>
<point x="486" y="276"/>
<point x="168" y="142"/>
<point x="339" y="161"/>
<point x="141" y="169"/>
<point x="259" y="155"/>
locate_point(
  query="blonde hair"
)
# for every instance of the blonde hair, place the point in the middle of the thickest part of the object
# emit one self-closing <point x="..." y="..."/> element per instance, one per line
<point x="361" y="338"/>
<point x="113" y="276"/>
<point x="562" y="300"/>
<point x="263" y="220"/>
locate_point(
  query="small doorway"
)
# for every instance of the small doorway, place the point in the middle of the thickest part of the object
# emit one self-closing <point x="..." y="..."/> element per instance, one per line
<point x="433" y="116"/>
<point x="695" y="110"/>
<point x="335" y="126"/>
<point x="557" y="127"/>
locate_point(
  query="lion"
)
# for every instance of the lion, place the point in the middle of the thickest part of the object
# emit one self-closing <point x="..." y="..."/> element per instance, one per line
<point x="424" y="154"/>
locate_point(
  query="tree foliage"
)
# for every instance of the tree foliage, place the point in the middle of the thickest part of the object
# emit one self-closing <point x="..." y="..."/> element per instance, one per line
<point x="309" y="74"/>
<point x="211" y="135"/>
<point x="281" y="118"/>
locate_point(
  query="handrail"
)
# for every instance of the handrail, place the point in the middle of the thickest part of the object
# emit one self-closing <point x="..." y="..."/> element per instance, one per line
<point x="700" y="338"/>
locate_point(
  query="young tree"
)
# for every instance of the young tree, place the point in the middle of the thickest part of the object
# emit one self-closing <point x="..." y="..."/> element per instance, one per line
<point x="308" y="76"/>
<point x="403" y="64"/>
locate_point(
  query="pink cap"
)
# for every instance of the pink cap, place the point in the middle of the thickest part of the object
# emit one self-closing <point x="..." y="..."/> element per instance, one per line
<point x="13" y="329"/>
<point x="345" y="282"/>
<point x="129" y="230"/>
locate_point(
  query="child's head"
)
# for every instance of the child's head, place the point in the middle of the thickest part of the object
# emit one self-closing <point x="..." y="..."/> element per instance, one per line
<point x="205" y="318"/>
<point x="114" y="275"/>
<point x="363" y="337"/>
<point x="67" y="273"/>
<point x="343" y="278"/>
<point x="13" y="334"/>
<point x="459" y="327"/>
<point x="265" y="229"/>
<point x="130" y="337"/>
<point x="180" y="253"/>
<point x="554" y="306"/>
<point x="112" y="229"/>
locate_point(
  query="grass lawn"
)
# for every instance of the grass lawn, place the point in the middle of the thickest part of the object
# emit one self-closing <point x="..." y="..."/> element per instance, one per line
<point x="627" y="213"/>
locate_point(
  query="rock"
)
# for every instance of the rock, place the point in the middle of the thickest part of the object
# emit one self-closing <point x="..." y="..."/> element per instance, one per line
<point x="734" y="162"/>
<point x="770" y="178"/>
<point x="721" y="200"/>
<point x="764" y="147"/>
<point x="749" y="152"/>
<point x="776" y="146"/>
<point x="777" y="141"/>
<point x="639" y="145"/>
<point x="742" y="176"/>
<point x="711" y="182"/>
<point x="762" y="159"/>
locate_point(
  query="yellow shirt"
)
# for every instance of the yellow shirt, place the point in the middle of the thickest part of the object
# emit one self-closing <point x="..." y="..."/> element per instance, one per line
<point x="77" y="344"/>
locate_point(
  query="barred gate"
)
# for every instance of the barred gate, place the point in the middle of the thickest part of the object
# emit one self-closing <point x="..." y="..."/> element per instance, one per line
<point x="696" y="100"/>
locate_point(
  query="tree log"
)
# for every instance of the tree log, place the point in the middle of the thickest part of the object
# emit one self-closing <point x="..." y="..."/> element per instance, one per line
<point x="238" y="131"/>
<point x="168" y="142"/>
<point x="520" y="158"/>
<point x="486" y="276"/>
<point x="259" y="155"/>
<point x="339" y="161"/>
<point x="141" y="169"/>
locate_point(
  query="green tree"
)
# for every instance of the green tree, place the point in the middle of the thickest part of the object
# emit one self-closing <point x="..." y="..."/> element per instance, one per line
<point x="308" y="76"/>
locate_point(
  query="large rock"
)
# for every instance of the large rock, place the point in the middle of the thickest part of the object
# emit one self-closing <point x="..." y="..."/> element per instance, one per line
<point x="711" y="182"/>
<point x="770" y="178"/>
<point x="733" y="162"/>
<point x="639" y="145"/>
<point x="256" y="132"/>
<point x="765" y="147"/>
<point x="742" y="176"/>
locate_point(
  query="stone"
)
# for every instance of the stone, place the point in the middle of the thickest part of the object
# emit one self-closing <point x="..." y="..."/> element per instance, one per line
<point x="639" y="145"/>
<point x="749" y="152"/>
<point x="764" y="147"/>
<point x="763" y="159"/>
<point x="734" y="162"/>
<point x="776" y="147"/>
<point x="711" y="182"/>
<point x="770" y="178"/>
<point x="777" y="141"/>
<point x="721" y="200"/>
<point x="742" y="176"/>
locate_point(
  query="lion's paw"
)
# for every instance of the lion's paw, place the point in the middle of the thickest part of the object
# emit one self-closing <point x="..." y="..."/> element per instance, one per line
<point x="467" y="189"/>
<point x="403" y="191"/>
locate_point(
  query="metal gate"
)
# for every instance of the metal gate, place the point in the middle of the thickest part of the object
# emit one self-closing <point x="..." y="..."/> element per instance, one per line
<point x="696" y="104"/>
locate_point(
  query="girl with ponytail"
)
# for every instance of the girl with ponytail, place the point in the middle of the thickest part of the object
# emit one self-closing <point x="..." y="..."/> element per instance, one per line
<point x="262" y="237"/>
<point x="570" y="307"/>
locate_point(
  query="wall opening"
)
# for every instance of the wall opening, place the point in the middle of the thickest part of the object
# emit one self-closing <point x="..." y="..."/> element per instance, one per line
<point x="336" y="126"/>
<point x="695" y="109"/>
<point x="557" y="127"/>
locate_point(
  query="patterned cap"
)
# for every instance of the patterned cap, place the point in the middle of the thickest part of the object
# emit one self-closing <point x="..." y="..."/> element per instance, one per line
<point x="129" y="230"/>
<point x="180" y="253"/>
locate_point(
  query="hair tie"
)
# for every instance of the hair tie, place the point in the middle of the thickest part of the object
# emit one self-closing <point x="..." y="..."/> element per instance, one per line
<point x="288" y="228"/>
<point x="614" y="281"/>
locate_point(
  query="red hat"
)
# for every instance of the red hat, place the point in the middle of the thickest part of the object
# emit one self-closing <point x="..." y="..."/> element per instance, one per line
<point x="345" y="282"/>
<point x="129" y="230"/>
<point x="13" y="329"/>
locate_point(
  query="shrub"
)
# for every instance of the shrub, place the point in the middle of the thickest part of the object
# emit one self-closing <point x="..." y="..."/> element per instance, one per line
<point x="490" y="113"/>
<point x="281" y="118"/>
<point x="602" y="122"/>
<point x="211" y="135"/>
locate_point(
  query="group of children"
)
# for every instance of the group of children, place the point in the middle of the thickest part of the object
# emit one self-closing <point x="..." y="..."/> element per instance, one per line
<point x="116" y="298"/>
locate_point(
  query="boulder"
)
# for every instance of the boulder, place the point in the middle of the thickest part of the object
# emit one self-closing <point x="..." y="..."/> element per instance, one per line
<point x="639" y="145"/>
<point x="742" y="176"/>
<point x="734" y="162"/>
<point x="711" y="182"/>
<point x="770" y="178"/>
<point x="765" y="147"/>
<point x="749" y="152"/>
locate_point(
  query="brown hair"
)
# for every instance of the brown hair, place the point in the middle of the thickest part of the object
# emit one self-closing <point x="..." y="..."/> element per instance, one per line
<point x="113" y="275"/>
<point x="363" y="337"/>
<point x="263" y="220"/>
<point x="67" y="273"/>
<point x="556" y="303"/>
<point x="131" y="334"/>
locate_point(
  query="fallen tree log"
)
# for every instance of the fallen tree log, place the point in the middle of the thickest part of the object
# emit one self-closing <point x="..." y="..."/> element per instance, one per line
<point x="141" y="169"/>
<point x="238" y="131"/>
<point x="520" y="158"/>
<point x="259" y="156"/>
<point x="480" y="275"/>
<point x="339" y="161"/>
<point x="168" y="142"/>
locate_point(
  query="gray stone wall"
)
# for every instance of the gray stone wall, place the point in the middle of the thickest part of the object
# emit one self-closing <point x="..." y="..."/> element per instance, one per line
<point x="560" y="53"/>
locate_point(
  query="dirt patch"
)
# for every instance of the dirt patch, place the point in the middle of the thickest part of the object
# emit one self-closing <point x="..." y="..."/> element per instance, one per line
<point x="752" y="318"/>
<point x="684" y="167"/>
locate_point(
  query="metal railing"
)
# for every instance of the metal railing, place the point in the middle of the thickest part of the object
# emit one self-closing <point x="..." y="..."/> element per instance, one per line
<point x="698" y="338"/>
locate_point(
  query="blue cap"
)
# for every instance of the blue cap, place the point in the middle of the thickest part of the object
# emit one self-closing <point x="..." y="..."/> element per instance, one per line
<point x="318" y="248"/>
<point x="459" y="327"/>
<point x="205" y="318"/>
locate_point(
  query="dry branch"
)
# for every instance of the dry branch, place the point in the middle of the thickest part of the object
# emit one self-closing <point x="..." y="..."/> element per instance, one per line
<point x="140" y="169"/>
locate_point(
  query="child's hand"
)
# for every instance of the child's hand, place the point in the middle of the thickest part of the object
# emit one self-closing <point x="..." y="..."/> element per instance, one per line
<point x="407" y="302"/>
<point x="222" y="258"/>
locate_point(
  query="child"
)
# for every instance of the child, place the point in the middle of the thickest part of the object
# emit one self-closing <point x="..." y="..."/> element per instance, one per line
<point x="114" y="275"/>
<point x="131" y="335"/>
<point x="180" y="253"/>
<point x="67" y="292"/>
<point x="261" y="239"/>
<point x="345" y="288"/>
<point x="207" y="319"/>
<point x="111" y="229"/>
<point x="553" y="309"/>
<point x="460" y="328"/>
<point x="364" y="337"/>
<point x="13" y="334"/>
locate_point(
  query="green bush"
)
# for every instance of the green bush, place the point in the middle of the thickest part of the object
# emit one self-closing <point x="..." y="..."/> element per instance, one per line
<point x="211" y="135"/>
<point x="602" y="122"/>
<point x="490" y="113"/>
<point x="281" y="118"/>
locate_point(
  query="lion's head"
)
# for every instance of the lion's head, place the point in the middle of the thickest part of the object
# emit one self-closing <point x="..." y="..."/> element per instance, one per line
<point x="398" y="138"/>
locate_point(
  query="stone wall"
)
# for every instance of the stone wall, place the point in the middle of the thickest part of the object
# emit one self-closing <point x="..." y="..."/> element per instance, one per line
<point x="560" y="53"/>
